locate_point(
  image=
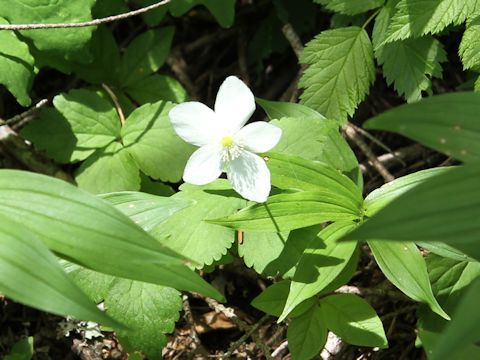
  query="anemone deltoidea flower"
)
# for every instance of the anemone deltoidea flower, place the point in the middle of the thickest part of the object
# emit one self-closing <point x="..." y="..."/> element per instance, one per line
<point x="226" y="143"/>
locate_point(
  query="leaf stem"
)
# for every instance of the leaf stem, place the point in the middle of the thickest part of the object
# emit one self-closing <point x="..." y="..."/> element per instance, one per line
<point x="94" y="22"/>
<point x="115" y="101"/>
<point x="371" y="18"/>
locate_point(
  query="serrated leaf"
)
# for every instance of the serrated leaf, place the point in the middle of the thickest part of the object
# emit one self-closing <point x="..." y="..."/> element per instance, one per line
<point x="26" y="264"/>
<point x="307" y="334"/>
<point x="275" y="254"/>
<point x="410" y="64"/>
<point x="159" y="310"/>
<point x="106" y="59"/>
<point x="187" y="231"/>
<point x="150" y="139"/>
<point x="52" y="133"/>
<point x="403" y="264"/>
<point x="349" y="7"/>
<point x="272" y="300"/>
<point x="155" y="88"/>
<point x="353" y="319"/>
<point x="470" y="46"/>
<point x="16" y="66"/>
<point x="447" y="123"/>
<point x="52" y="11"/>
<point x="340" y="73"/>
<point x="145" y="55"/>
<point x="223" y="11"/>
<point x="109" y="169"/>
<point x="414" y="18"/>
<point x="146" y="210"/>
<point x="286" y="212"/>
<point x="99" y="236"/>
<point x="93" y="119"/>
<point x="320" y="264"/>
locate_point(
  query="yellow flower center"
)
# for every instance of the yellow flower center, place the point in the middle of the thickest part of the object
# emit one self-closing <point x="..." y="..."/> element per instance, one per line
<point x="227" y="141"/>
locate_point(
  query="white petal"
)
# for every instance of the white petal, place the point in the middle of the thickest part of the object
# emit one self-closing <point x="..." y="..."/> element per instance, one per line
<point x="259" y="136"/>
<point x="194" y="122"/>
<point x="250" y="177"/>
<point x="204" y="166"/>
<point x="235" y="104"/>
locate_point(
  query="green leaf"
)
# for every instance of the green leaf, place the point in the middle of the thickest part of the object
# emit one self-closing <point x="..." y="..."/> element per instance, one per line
<point x="147" y="211"/>
<point x="106" y="59"/>
<point x="22" y="350"/>
<point x="292" y="172"/>
<point x="444" y="250"/>
<point x="145" y="55"/>
<point x="187" y="231"/>
<point x="272" y="300"/>
<point x="349" y="7"/>
<point x="414" y="18"/>
<point x="340" y="73"/>
<point x="463" y="329"/>
<point x="403" y="264"/>
<point x="388" y="192"/>
<point x="450" y="280"/>
<point x="149" y="311"/>
<point x="280" y="109"/>
<point x="410" y="65"/>
<point x="52" y="133"/>
<point x="155" y="88"/>
<point x="150" y="139"/>
<point x="276" y="254"/>
<point x="51" y="208"/>
<point x="319" y="140"/>
<point x="66" y="41"/>
<point x="222" y="10"/>
<point x="320" y="264"/>
<point x="30" y="274"/>
<point x="353" y="319"/>
<point x="16" y="66"/>
<point x="109" y="169"/>
<point x="470" y="46"/>
<point x="286" y="212"/>
<point x="93" y="120"/>
<point x="307" y="334"/>
<point x="447" y="123"/>
<point x="443" y="208"/>
<point x="154" y="17"/>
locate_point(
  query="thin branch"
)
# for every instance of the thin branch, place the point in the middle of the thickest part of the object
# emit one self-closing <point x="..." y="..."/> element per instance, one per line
<point x="293" y="38"/>
<point x="193" y="332"/>
<point x="245" y="336"/>
<point x="26" y="114"/>
<point x="95" y="22"/>
<point x="115" y="101"/>
<point x="372" y="159"/>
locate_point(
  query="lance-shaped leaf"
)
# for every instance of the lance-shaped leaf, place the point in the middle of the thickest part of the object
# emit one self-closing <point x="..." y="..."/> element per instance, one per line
<point x="443" y="208"/>
<point x="30" y="274"/>
<point x="292" y="172"/>
<point x="403" y="264"/>
<point x="286" y="212"/>
<point x="90" y="232"/>
<point x="447" y="123"/>
<point x="146" y="210"/>
<point x="281" y="109"/>
<point x="319" y="265"/>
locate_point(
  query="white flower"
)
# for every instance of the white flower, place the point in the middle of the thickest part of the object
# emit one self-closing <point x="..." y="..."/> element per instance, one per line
<point x="226" y="145"/>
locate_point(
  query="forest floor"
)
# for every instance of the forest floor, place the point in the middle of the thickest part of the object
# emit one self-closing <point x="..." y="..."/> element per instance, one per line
<point x="202" y="56"/>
